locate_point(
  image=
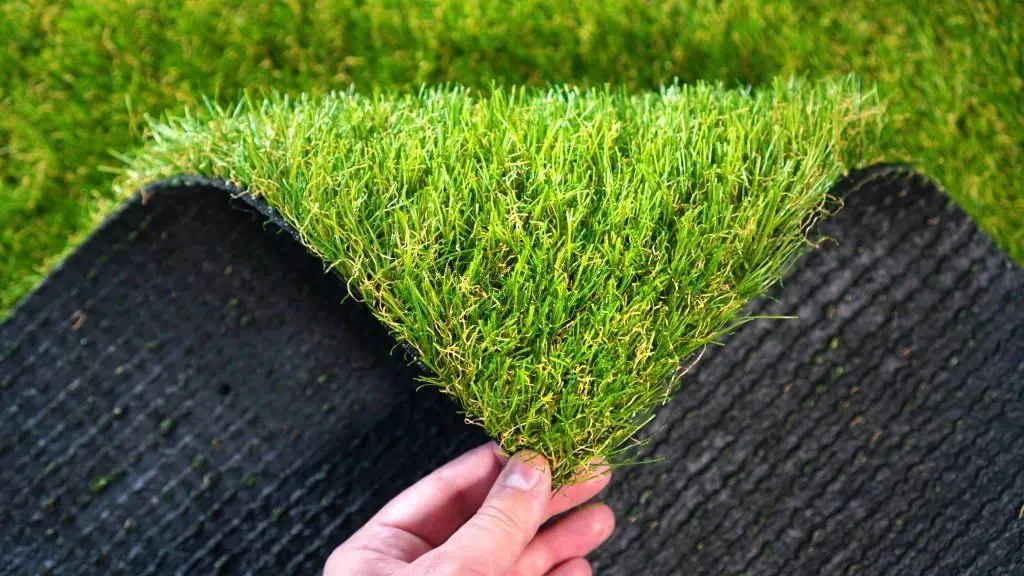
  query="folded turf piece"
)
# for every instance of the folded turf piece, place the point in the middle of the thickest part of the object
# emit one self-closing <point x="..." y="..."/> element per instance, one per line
<point x="186" y="395"/>
<point x="550" y="257"/>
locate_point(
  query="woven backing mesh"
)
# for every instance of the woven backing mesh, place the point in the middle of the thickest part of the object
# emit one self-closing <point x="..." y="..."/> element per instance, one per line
<point x="187" y="394"/>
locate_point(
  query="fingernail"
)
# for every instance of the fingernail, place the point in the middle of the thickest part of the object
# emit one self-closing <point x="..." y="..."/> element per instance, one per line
<point x="500" y="454"/>
<point x="523" y="471"/>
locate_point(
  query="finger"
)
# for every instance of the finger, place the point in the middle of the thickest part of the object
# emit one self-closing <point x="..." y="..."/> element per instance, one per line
<point x="376" y="551"/>
<point x="568" y="497"/>
<point x="573" y="536"/>
<point x="491" y="541"/>
<point x="435" y="507"/>
<point x="574" y="567"/>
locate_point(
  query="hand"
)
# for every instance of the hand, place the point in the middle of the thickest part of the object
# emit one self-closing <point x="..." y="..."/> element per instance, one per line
<point x="479" y="515"/>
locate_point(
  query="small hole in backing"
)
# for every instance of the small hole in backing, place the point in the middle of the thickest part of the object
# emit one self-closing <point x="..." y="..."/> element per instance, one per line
<point x="223" y="388"/>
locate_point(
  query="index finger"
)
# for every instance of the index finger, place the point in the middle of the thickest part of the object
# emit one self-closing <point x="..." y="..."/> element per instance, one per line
<point x="437" y="505"/>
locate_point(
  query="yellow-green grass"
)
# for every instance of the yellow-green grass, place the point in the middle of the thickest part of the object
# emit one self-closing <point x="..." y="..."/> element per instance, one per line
<point x="77" y="79"/>
<point x="550" y="256"/>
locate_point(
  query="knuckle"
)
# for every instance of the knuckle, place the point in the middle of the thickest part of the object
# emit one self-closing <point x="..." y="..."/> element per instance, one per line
<point x="537" y="559"/>
<point x="458" y="565"/>
<point x="470" y="569"/>
<point x="521" y="569"/>
<point x="507" y="523"/>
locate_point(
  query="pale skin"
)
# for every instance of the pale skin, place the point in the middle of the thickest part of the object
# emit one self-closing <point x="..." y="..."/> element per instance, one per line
<point x="482" y="514"/>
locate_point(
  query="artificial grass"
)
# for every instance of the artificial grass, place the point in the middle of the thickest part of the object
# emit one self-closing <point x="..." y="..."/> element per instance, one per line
<point x="550" y="256"/>
<point x="77" y="79"/>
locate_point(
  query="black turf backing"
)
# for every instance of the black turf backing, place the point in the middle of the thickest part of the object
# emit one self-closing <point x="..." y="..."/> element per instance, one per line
<point x="187" y="394"/>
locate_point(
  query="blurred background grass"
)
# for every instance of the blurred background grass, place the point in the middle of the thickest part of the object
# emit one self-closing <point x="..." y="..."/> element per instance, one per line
<point x="78" y="78"/>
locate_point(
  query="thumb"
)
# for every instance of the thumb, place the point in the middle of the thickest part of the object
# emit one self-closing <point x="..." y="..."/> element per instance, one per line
<point x="494" y="538"/>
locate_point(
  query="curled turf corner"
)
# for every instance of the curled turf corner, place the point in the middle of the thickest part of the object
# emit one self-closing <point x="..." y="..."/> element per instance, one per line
<point x="550" y="256"/>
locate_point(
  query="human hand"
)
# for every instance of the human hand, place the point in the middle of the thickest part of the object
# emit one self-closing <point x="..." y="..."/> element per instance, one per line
<point x="479" y="515"/>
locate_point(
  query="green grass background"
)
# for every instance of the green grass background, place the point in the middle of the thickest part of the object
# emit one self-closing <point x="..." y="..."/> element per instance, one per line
<point x="78" y="78"/>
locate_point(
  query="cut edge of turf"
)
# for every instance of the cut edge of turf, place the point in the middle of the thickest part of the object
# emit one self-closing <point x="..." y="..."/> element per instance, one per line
<point x="486" y="232"/>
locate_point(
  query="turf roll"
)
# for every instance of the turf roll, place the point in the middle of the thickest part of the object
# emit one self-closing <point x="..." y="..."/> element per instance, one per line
<point x="188" y="395"/>
<point x="551" y="257"/>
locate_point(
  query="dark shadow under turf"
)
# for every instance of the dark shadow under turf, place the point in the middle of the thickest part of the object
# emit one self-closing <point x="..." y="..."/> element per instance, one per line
<point x="188" y="393"/>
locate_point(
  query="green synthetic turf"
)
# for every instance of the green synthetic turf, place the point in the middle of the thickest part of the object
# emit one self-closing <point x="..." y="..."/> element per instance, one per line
<point x="551" y="256"/>
<point x="77" y="78"/>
